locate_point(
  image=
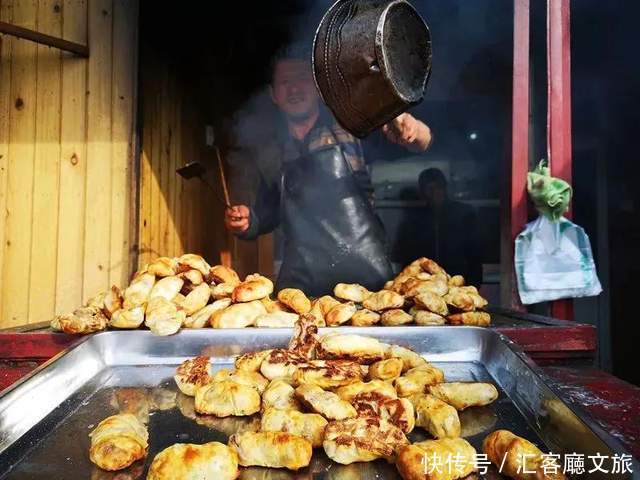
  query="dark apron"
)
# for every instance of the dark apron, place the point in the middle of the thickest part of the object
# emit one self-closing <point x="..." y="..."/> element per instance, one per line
<point x="331" y="233"/>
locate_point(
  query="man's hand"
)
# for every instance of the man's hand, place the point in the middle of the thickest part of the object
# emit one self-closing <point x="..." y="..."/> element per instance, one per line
<point x="409" y="132"/>
<point x="236" y="218"/>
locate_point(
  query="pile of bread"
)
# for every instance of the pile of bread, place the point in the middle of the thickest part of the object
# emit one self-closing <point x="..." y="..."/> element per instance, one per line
<point x="352" y="396"/>
<point x="186" y="292"/>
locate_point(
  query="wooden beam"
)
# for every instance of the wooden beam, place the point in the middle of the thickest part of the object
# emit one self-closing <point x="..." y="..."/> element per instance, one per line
<point x="514" y="214"/>
<point x="43" y="39"/>
<point x="559" y="109"/>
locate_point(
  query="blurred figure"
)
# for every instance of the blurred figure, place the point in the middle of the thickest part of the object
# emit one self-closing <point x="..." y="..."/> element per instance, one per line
<point x="446" y="230"/>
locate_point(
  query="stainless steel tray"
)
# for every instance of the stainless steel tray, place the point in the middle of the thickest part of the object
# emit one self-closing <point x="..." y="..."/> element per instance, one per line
<point x="46" y="418"/>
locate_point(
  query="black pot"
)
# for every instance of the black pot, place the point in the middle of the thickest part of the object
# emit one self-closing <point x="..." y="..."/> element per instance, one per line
<point x="371" y="61"/>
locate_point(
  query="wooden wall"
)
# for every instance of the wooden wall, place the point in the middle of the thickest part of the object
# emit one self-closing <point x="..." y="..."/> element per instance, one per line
<point x="67" y="156"/>
<point x="176" y="215"/>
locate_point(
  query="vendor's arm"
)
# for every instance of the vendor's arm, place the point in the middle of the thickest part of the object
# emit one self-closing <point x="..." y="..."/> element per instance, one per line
<point x="408" y="131"/>
<point x="247" y="223"/>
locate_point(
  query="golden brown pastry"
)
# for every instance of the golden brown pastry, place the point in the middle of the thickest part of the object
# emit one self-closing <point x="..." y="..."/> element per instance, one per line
<point x="381" y="388"/>
<point x="410" y="359"/>
<point x="273" y="306"/>
<point x="271" y="449"/>
<point x="436" y="286"/>
<point x="461" y="395"/>
<point x="167" y="288"/>
<point x="365" y="318"/>
<point x="340" y="314"/>
<point x="429" y="460"/>
<point x="202" y="317"/>
<point x="358" y="348"/>
<point x="460" y="300"/>
<point x="437" y="417"/>
<point x="432" y="302"/>
<point x="325" y="303"/>
<point x="245" y="377"/>
<point x="281" y="363"/>
<point x="196" y="299"/>
<point x="222" y="274"/>
<point x="239" y="315"/>
<point x="280" y="395"/>
<point x="137" y="293"/>
<point x="351" y="292"/>
<point x="362" y="439"/>
<point x="306" y="425"/>
<point x="304" y="340"/>
<point x="328" y="404"/>
<point x="456" y="281"/>
<point x="251" y="361"/>
<point x="222" y="290"/>
<point x="192" y="278"/>
<point x="193" y="373"/>
<point x="162" y="316"/>
<point x="277" y="320"/>
<point x="132" y="318"/>
<point x="190" y="261"/>
<point x="417" y="379"/>
<point x="431" y="267"/>
<point x="328" y="373"/>
<point x="163" y="267"/>
<point x="253" y="288"/>
<point x="516" y="456"/>
<point x="383" y="300"/>
<point x="226" y="398"/>
<point x="113" y="301"/>
<point x="425" y="317"/>
<point x="82" y="321"/>
<point x="479" y="319"/>
<point x="187" y="461"/>
<point x="398" y="411"/>
<point x="395" y="317"/>
<point x="295" y="299"/>
<point x="229" y="425"/>
<point x="118" y="441"/>
<point x="387" y="370"/>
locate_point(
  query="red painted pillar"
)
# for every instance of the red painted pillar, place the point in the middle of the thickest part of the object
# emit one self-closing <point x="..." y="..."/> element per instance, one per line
<point x="514" y="215"/>
<point x="559" y="108"/>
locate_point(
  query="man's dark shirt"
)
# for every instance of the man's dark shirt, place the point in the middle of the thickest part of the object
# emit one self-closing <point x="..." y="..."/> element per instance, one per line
<point x="281" y="148"/>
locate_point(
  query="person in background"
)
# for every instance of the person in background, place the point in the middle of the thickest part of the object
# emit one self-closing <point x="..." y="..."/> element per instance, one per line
<point x="329" y="233"/>
<point x="446" y="231"/>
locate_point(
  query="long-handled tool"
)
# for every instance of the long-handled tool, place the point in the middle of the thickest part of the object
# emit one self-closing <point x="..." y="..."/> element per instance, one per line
<point x="197" y="170"/>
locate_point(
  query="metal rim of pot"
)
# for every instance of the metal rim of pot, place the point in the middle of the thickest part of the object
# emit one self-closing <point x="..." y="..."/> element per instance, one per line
<point x="382" y="57"/>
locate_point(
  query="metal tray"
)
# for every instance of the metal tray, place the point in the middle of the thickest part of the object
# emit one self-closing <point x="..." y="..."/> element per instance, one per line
<point x="46" y="418"/>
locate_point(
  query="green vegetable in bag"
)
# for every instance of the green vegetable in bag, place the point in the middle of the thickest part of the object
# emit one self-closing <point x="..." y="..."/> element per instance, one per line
<point x="550" y="195"/>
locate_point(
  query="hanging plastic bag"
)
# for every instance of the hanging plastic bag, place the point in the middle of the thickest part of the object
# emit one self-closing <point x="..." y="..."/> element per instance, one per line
<point x="553" y="256"/>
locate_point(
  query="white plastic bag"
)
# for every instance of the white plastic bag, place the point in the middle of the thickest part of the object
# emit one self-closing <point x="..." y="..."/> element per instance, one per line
<point x="553" y="260"/>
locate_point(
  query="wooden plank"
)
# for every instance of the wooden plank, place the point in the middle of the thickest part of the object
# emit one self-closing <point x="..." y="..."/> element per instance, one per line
<point x="514" y="210"/>
<point x="98" y="197"/>
<point x="6" y="14"/>
<point x="156" y="146"/>
<point x="174" y="177"/>
<point x="165" y="142"/>
<point x="42" y="289"/>
<point x="179" y="181"/>
<point x="19" y="193"/>
<point x="73" y="164"/>
<point x="124" y="66"/>
<point x="145" y="180"/>
<point x="559" y="109"/>
<point x="43" y="39"/>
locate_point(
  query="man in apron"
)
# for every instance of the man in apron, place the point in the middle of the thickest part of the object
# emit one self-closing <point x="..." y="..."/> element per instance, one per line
<point x="321" y="197"/>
